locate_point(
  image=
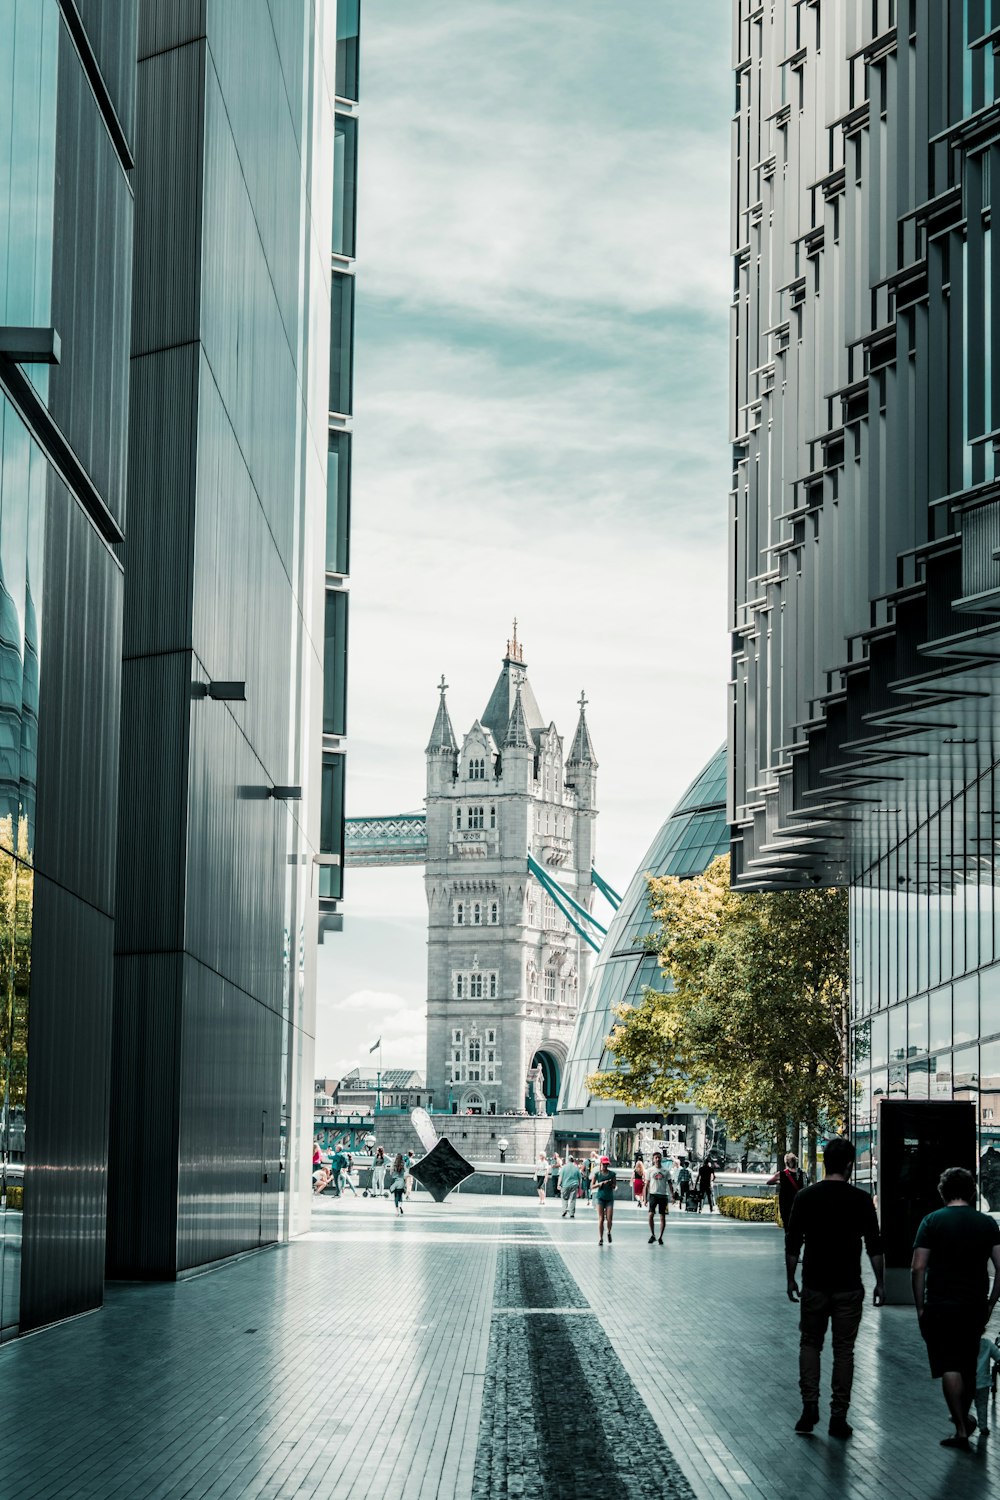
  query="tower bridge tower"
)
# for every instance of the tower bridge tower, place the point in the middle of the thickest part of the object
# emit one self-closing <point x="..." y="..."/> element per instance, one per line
<point x="505" y="968"/>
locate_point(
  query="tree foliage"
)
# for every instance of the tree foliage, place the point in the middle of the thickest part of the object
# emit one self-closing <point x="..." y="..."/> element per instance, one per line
<point x="753" y="1027"/>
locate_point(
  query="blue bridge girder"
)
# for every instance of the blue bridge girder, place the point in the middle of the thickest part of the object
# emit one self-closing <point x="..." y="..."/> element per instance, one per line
<point x="400" y="839"/>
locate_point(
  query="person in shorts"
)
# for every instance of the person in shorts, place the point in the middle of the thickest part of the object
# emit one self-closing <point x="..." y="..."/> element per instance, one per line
<point x="604" y="1184"/>
<point x="951" y="1256"/>
<point x="659" y="1191"/>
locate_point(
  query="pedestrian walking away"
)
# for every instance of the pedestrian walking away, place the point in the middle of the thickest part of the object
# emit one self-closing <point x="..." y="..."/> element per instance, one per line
<point x="407" y="1172"/>
<point x="379" y="1169"/>
<point x="586" y="1171"/>
<point x="397" y="1182"/>
<point x="554" y="1169"/>
<point x="638" y="1181"/>
<point x="569" y="1183"/>
<point x="832" y="1219"/>
<point x="684" y="1181"/>
<point x="949" y="1272"/>
<point x="605" y="1183"/>
<point x="989" y="1356"/>
<point x="541" y="1173"/>
<point x="345" y="1176"/>
<point x="706" y="1176"/>
<point x="659" y="1191"/>
<point x="790" y="1180"/>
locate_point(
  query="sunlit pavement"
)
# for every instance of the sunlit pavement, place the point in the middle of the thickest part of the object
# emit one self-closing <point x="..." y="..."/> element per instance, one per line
<point x="477" y="1348"/>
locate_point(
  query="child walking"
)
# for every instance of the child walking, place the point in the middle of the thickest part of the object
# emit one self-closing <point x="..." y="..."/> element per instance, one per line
<point x="989" y="1353"/>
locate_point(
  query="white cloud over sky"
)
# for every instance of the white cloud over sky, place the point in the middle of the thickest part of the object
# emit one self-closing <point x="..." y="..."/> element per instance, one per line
<point x="540" y="419"/>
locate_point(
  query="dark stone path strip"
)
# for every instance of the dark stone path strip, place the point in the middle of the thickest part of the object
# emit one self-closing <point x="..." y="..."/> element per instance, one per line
<point x="561" y="1419"/>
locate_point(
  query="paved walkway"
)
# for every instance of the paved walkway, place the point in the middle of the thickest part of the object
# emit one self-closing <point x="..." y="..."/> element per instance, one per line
<point x="478" y="1349"/>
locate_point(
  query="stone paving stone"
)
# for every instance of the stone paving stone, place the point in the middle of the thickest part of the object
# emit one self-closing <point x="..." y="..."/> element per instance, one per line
<point x="353" y="1364"/>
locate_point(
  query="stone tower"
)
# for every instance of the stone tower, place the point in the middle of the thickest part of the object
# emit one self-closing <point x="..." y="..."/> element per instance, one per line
<point x="505" y="968"/>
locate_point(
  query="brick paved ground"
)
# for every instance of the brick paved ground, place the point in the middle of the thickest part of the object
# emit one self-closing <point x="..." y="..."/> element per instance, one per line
<point x="480" y="1348"/>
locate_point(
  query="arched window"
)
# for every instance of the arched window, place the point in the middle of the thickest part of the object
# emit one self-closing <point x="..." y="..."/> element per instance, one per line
<point x="475" y="1050"/>
<point x="460" y="913"/>
<point x="477" y="769"/>
<point x="493" y="986"/>
<point x="477" y="914"/>
<point x="494" y="912"/>
<point x="476" y="985"/>
<point x="459" y="986"/>
<point x="458" y="817"/>
<point x="493" y="817"/>
<point x="475" y="819"/>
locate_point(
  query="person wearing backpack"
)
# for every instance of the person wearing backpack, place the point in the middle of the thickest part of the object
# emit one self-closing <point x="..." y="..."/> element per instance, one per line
<point x="790" y="1180"/>
<point x="684" y="1182"/>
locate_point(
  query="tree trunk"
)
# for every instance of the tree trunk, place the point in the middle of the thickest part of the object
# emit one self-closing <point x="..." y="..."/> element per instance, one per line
<point x="796" y="1144"/>
<point x="781" y="1139"/>
<point x="813" y="1167"/>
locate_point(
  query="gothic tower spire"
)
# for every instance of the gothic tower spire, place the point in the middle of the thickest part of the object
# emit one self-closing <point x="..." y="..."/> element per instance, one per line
<point x="442" y="735"/>
<point x="582" y="751"/>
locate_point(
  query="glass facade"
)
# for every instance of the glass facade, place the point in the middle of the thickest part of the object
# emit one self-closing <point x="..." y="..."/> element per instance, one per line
<point x="338" y="482"/>
<point x="693" y="835"/>
<point x="865" y="519"/>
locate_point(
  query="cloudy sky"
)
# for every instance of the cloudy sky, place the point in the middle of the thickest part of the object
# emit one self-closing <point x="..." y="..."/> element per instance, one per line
<point x="540" y="420"/>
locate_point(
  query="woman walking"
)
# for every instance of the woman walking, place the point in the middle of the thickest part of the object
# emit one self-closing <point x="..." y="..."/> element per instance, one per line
<point x="541" y="1172"/>
<point x="379" y="1168"/>
<point x="605" y="1183"/>
<point x="638" y="1180"/>
<point x="398" y="1181"/>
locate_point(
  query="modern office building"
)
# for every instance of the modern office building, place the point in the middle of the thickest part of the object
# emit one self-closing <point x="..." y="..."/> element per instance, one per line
<point x="67" y="129"/>
<point x="338" y="509"/>
<point x="166" y="213"/>
<point x="865" y="520"/>
<point x="505" y="964"/>
<point x="694" y="834"/>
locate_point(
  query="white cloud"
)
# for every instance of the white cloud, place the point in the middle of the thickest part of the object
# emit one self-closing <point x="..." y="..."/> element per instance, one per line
<point x="372" y="1002"/>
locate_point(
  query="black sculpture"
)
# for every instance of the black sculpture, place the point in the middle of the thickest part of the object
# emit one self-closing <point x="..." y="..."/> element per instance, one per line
<point x="442" y="1169"/>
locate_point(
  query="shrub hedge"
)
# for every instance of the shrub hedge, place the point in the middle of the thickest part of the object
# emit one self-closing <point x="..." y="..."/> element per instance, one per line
<point x="751" y="1210"/>
<point x="15" y="1196"/>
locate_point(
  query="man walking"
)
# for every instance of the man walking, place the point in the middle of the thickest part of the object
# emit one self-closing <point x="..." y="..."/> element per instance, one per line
<point x="951" y="1256"/>
<point x="706" y="1176"/>
<point x="659" y="1191"/>
<point x="684" y="1182"/>
<point x="831" y="1219"/>
<point x="569" y="1183"/>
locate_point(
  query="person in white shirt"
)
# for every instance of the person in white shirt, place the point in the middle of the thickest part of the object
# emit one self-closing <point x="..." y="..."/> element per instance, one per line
<point x="659" y="1191"/>
<point x="989" y="1353"/>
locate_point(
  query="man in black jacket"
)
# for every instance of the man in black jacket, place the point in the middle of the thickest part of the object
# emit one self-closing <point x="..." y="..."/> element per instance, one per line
<point x="831" y="1219"/>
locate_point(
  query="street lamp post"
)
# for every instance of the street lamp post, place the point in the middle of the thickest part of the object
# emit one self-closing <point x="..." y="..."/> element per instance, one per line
<point x="502" y="1144"/>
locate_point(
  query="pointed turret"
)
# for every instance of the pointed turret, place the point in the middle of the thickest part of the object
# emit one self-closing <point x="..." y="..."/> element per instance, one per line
<point x="582" y="752"/>
<point x="517" y="737"/>
<point x="442" y="735"/>
<point x="500" y="709"/>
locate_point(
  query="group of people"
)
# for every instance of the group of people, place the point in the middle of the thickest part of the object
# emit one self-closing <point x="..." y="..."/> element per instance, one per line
<point x="389" y="1179"/>
<point x="952" y="1252"/>
<point x="594" y="1180"/>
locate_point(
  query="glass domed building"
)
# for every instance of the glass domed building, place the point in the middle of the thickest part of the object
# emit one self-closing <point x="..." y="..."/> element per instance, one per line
<point x="693" y="835"/>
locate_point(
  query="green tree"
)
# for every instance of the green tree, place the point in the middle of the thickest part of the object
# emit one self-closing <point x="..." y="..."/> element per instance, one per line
<point x="754" y="1026"/>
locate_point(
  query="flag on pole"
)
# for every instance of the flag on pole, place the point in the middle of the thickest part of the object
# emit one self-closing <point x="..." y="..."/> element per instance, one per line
<point x="375" y="1047"/>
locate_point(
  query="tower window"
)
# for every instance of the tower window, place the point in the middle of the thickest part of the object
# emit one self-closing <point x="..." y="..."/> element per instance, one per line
<point x="476" y="985"/>
<point x="477" y="914"/>
<point x="550" y="986"/>
<point x="493" y="986"/>
<point x="494" y="912"/>
<point x="458" y="817"/>
<point x="475" y="818"/>
<point x="460" y="913"/>
<point x="491" y="1037"/>
<point x="456" y="1038"/>
<point x="474" y="1050"/>
<point x="459" y="986"/>
<point x="493" y="817"/>
<point x="532" y="982"/>
<point x="490" y="1057"/>
<point x="477" y="769"/>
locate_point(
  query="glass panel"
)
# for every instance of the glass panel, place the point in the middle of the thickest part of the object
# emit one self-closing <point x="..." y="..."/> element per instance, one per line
<point x="345" y="163"/>
<point x="966" y="1008"/>
<point x="341" y="342"/>
<point x="941" y="1071"/>
<point x="989" y="1001"/>
<point x="897" y="1034"/>
<point x="918" y="1080"/>
<point x="965" y="1073"/>
<point x="335" y="664"/>
<point x="338" y="504"/>
<point x="348" y="28"/>
<point x="880" y="1040"/>
<point x="331" y="829"/>
<point x="940" y="1018"/>
<point x="917" y="1027"/>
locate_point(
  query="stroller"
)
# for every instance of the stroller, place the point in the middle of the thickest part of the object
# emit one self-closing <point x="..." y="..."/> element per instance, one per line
<point x="693" y="1199"/>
